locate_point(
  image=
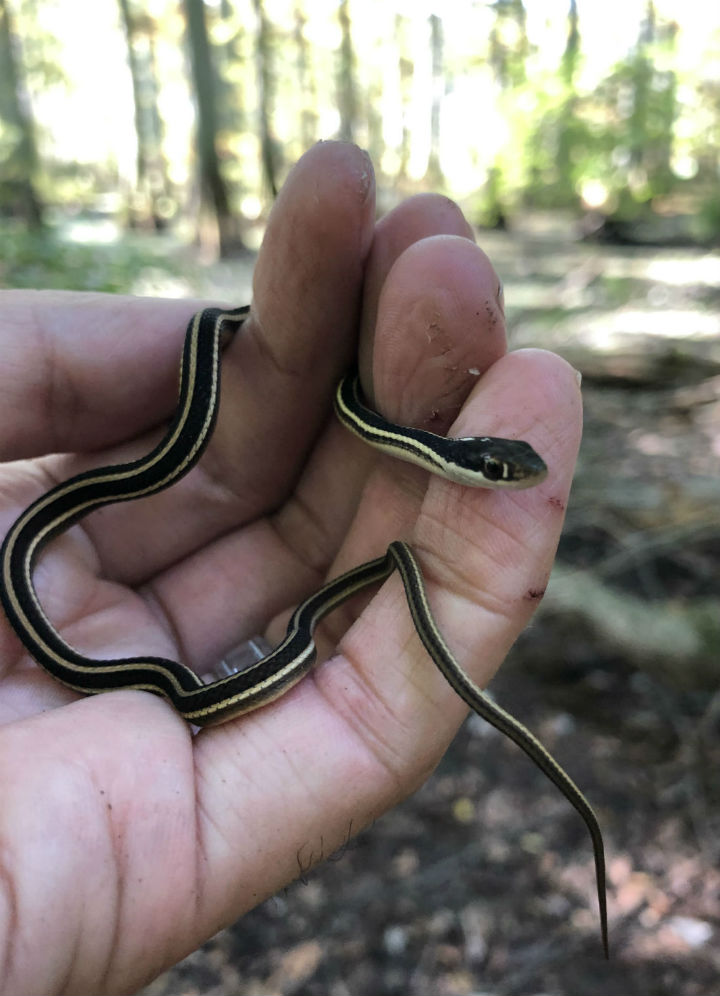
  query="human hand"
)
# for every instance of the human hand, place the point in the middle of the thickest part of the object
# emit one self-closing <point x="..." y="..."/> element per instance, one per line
<point x="128" y="841"/>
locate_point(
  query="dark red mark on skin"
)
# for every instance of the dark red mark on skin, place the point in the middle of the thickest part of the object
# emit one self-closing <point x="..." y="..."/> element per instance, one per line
<point x="557" y="503"/>
<point x="535" y="594"/>
<point x="491" y="313"/>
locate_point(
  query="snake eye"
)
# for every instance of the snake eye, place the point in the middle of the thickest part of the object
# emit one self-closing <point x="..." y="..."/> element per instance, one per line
<point x="493" y="469"/>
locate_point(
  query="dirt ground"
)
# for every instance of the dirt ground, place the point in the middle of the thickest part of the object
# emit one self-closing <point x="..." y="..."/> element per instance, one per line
<point x="482" y="882"/>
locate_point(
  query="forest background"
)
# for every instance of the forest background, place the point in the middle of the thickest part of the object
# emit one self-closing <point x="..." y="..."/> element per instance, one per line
<point x="187" y="115"/>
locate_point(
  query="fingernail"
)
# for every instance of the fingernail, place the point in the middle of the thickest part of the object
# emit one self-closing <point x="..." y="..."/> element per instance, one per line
<point x="500" y="296"/>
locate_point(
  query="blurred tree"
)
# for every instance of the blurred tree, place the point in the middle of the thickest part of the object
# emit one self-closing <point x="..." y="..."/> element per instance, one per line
<point x="434" y="174"/>
<point x="214" y="199"/>
<point x="346" y="82"/>
<point x="18" y="148"/>
<point x="619" y="137"/>
<point x="650" y="97"/>
<point x="641" y="96"/>
<point x="509" y="45"/>
<point x="235" y="68"/>
<point x="557" y="130"/>
<point x="571" y="55"/>
<point x="152" y="197"/>
<point x="568" y="132"/>
<point x="707" y="156"/>
<point x="406" y="69"/>
<point x="307" y="87"/>
<point x="266" y="81"/>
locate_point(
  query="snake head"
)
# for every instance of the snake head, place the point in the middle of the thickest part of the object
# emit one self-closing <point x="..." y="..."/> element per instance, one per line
<point x="488" y="462"/>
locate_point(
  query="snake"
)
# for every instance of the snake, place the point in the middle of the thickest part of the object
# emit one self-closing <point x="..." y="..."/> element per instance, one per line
<point x="476" y="461"/>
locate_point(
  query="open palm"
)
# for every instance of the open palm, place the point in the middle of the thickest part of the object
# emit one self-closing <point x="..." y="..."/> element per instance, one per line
<point x="128" y="841"/>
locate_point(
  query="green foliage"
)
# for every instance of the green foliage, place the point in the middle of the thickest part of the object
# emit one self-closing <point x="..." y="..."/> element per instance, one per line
<point x="42" y="51"/>
<point x="29" y="259"/>
<point x="508" y="47"/>
<point x="640" y="130"/>
<point x="559" y="151"/>
<point x="620" y="136"/>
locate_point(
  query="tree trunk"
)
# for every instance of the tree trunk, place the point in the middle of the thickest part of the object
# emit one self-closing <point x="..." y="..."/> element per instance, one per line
<point x="21" y="166"/>
<point x="509" y="45"/>
<point x="571" y="54"/>
<point x="406" y="69"/>
<point x="265" y="85"/>
<point x="567" y="126"/>
<point x="434" y="174"/>
<point x="306" y="83"/>
<point x="152" y="178"/>
<point x="347" y="95"/>
<point x="214" y="198"/>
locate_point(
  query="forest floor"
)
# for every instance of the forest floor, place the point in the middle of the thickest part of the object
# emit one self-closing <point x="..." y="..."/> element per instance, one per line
<point x="482" y="882"/>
